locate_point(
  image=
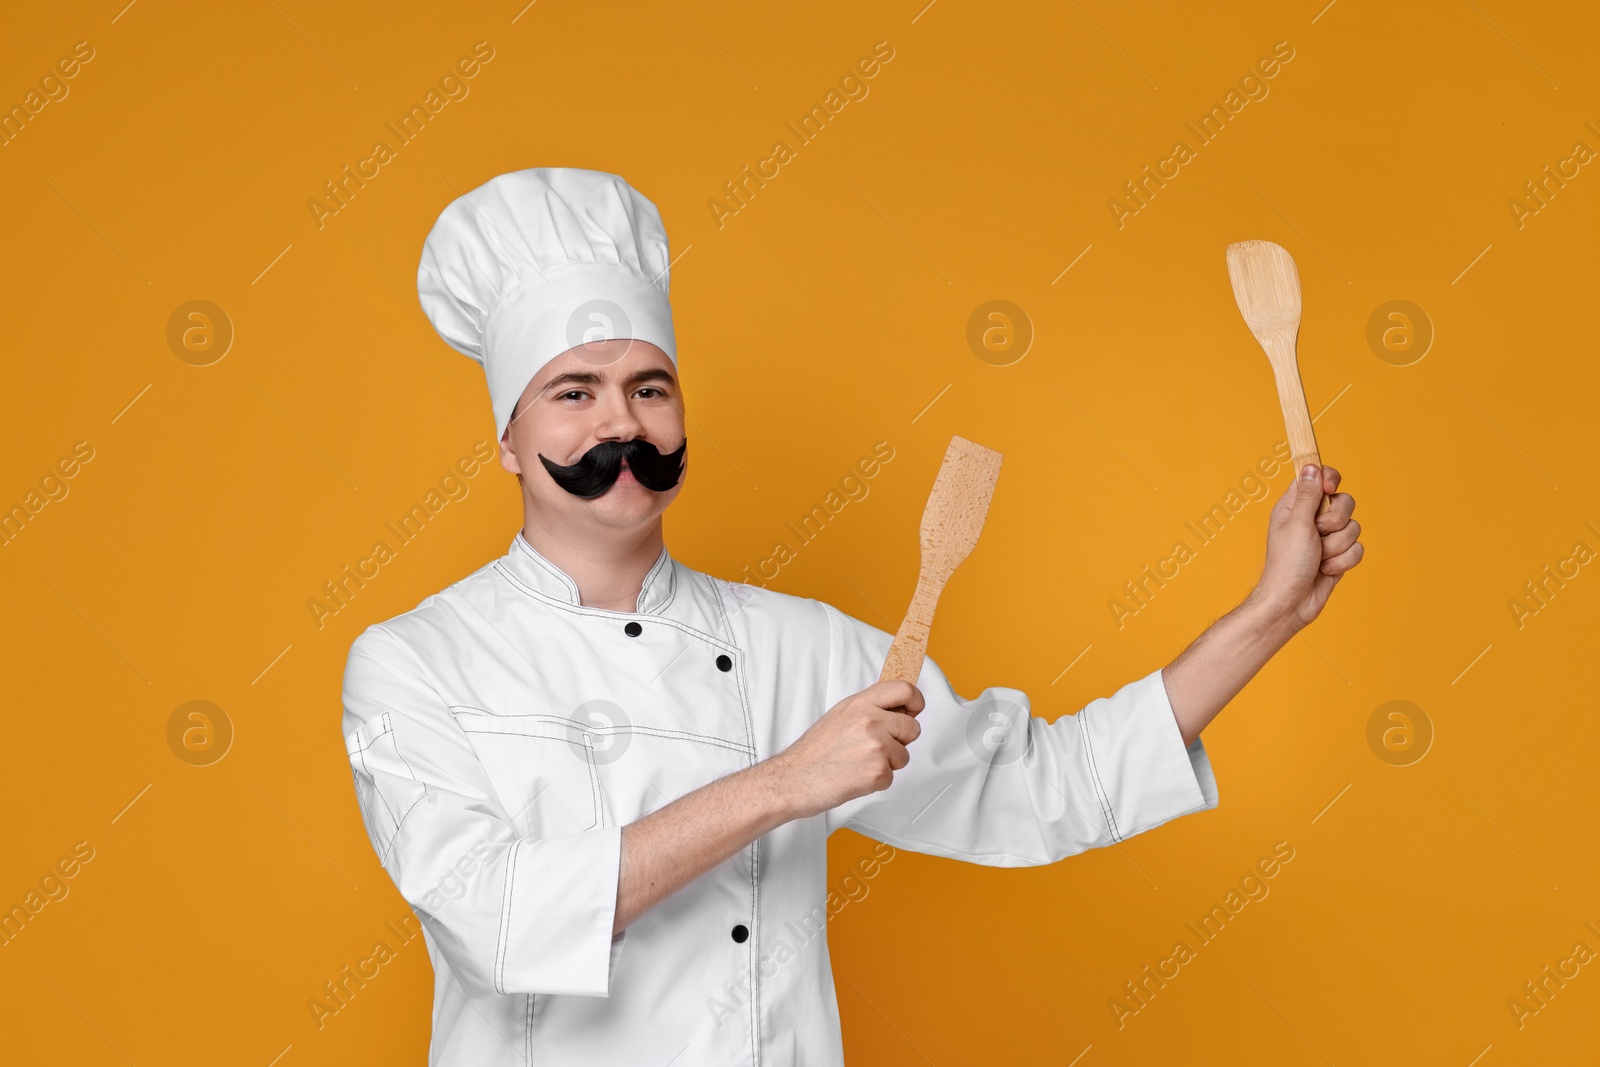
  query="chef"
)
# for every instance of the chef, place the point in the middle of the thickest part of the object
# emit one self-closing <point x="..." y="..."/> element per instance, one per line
<point x="605" y="781"/>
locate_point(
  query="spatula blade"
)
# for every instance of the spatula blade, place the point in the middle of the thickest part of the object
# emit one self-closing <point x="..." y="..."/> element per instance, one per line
<point x="1266" y="286"/>
<point x="958" y="504"/>
<point x="951" y="523"/>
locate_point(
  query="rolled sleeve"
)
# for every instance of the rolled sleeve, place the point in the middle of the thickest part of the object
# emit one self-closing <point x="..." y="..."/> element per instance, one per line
<point x="560" y="905"/>
<point x="1142" y="773"/>
<point x="510" y="913"/>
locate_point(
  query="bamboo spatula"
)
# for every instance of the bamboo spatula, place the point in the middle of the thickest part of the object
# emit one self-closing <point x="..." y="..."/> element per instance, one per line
<point x="1266" y="286"/>
<point x="951" y="523"/>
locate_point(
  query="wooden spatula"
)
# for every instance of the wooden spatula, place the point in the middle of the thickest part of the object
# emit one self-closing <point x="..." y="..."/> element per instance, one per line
<point x="951" y="524"/>
<point x="1266" y="286"/>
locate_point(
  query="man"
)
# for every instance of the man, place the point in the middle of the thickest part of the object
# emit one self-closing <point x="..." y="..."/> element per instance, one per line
<point x="605" y="781"/>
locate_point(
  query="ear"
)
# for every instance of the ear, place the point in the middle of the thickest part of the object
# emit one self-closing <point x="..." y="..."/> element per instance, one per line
<point x="508" y="454"/>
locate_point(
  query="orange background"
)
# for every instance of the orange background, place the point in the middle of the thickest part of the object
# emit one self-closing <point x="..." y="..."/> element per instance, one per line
<point x="828" y="314"/>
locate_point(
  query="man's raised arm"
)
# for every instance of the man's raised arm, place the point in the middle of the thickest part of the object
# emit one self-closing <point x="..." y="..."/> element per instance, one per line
<point x="1307" y="554"/>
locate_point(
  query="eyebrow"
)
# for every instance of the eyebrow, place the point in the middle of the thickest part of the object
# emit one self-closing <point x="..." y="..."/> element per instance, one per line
<point x="589" y="377"/>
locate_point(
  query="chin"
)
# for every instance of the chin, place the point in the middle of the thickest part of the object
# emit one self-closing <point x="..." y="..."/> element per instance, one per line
<point x="627" y="505"/>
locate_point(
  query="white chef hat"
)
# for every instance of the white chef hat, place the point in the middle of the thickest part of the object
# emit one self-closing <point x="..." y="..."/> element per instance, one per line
<point x="535" y="262"/>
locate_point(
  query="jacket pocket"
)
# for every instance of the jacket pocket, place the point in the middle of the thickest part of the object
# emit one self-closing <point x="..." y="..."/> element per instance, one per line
<point x="386" y="788"/>
<point x="540" y="768"/>
<point x="564" y="775"/>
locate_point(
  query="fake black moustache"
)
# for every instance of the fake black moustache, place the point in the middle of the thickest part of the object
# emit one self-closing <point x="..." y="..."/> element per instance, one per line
<point x="598" y="469"/>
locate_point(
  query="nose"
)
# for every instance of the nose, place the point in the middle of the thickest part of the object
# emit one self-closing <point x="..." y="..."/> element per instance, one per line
<point x="617" y="419"/>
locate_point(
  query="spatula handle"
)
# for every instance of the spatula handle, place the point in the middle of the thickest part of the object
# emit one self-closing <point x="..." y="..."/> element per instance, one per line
<point x="910" y="646"/>
<point x="1296" y="417"/>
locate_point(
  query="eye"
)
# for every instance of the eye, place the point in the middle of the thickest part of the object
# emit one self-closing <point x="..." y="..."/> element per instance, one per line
<point x="651" y="389"/>
<point x="572" y="392"/>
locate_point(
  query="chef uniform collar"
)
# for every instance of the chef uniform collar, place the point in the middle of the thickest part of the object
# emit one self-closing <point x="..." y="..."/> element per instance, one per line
<point x="535" y="572"/>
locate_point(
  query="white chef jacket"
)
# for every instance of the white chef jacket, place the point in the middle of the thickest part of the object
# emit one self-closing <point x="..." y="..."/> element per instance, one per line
<point x="501" y="734"/>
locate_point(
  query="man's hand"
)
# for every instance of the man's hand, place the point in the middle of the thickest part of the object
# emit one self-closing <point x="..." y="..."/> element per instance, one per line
<point x="1307" y="554"/>
<point x="852" y="750"/>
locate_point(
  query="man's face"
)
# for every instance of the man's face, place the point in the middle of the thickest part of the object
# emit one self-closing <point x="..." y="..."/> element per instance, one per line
<point x="616" y="390"/>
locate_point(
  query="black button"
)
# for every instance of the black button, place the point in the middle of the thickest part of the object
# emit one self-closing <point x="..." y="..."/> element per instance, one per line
<point x="633" y="629"/>
<point x="725" y="664"/>
<point x="740" y="933"/>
